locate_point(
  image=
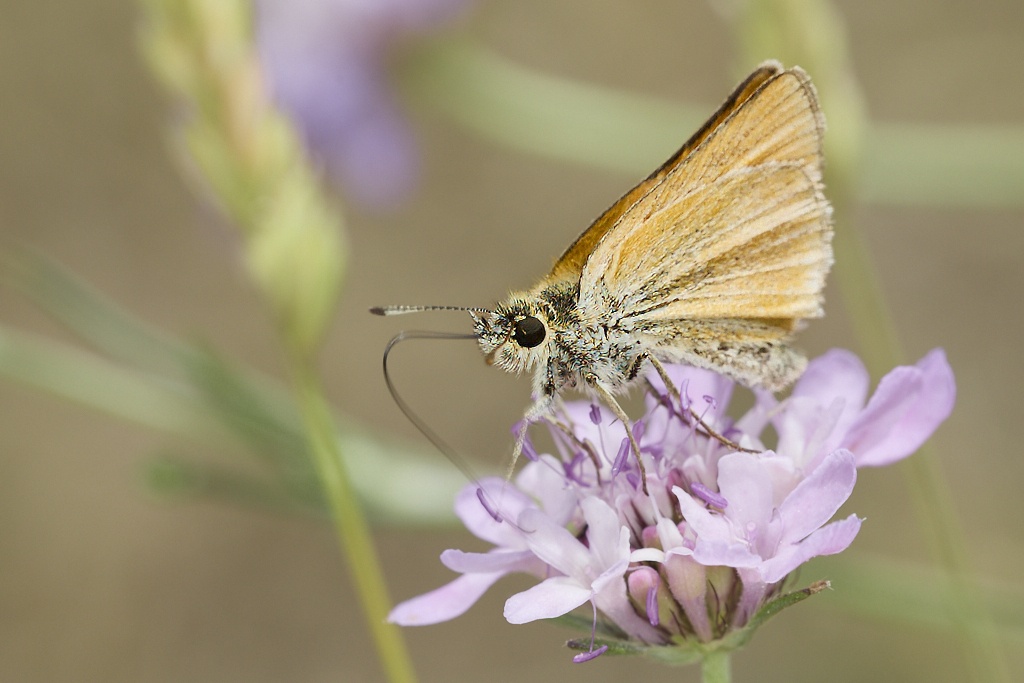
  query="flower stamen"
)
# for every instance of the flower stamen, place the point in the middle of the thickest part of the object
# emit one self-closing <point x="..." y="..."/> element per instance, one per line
<point x="652" y="605"/>
<point x="591" y="653"/>
<point x="710" y="497"/>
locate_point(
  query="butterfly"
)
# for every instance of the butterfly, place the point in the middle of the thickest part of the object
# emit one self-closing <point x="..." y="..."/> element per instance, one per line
<point x="713" y="260"/>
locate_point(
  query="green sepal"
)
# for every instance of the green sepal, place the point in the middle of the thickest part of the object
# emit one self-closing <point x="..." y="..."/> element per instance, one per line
<point x="683" y="651"/>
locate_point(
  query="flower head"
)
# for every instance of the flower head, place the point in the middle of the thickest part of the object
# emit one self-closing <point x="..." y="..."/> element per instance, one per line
<point x="326" y="62"/>
<point x="717" y="531"/>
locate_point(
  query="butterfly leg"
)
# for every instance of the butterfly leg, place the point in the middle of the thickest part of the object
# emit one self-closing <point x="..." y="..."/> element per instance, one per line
<point x="610" y="401"/>
<point x="538" y="410"/>
<point x="674" y="392"/>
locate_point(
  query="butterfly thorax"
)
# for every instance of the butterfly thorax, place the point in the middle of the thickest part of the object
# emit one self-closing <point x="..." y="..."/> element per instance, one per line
<point x="544" y="331"/>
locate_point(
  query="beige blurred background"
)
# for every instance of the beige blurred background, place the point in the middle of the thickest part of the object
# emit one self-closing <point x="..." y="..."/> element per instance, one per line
<point x="101" y="581"/>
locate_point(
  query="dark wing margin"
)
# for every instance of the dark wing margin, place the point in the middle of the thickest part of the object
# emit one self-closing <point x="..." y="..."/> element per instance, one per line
<point x="570" y="264"/>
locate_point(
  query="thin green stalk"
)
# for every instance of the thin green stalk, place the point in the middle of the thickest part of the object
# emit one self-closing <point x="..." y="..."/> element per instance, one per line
<point x="350" y="525"/>
<point x="248" y="154"/>
<point x="716" y="667"/>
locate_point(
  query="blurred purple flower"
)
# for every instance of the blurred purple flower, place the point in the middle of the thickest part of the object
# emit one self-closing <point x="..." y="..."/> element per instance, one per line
<point x="326" y="64"/>
<point x="718" y="532"/>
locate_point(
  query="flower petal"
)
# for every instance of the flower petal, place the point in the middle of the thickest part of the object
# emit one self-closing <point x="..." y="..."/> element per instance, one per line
<point x="806" y="427"/>
<point x="545" y="480"/>
<point x="836" y="374"/>
<point x="815" y="499"/>
<point x="444" y="603"/>
<point x="507" y="501"/>
<point x="909" y="404"/>
<point x="713" y="552"/>
<point x="548" y="599"/>
<point x="553" y="543"/>
<point x="699" y="518"/>
<point x="607" y="537"/>
<point x="485" y="563"/>
<point x="828" y="540"/>
<point x="716" y="542"/>
<point x="745" y="484"/>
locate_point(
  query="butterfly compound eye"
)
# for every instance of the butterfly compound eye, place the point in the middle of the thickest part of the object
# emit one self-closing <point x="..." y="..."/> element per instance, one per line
<point x="529" y="332"/>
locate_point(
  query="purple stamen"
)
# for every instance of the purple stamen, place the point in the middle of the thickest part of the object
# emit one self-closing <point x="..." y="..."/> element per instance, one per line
<point x="482" y="497"/>
<point x="587" y="656"/>
<point x="708" y="496"/>
<point x="620" y="459"/>
<point x="638" y="430"/>
<point x="684" y="398"/>
<point x="595" y="414"/>
<point x="592" y="653"/>
<point x="529" y="452"/>
<point x="652" y="606"/>
<point x="710" y="400"/>
<point x="574" y="469"/>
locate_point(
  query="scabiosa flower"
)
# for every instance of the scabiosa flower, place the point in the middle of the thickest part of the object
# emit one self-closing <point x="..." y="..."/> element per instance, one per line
<point x="326" y="63"/>
<point x="698" y="557"/>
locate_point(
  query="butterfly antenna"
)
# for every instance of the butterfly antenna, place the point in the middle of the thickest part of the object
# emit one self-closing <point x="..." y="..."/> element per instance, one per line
<point x="432" y="436"/>
<point x="402" y="310"/>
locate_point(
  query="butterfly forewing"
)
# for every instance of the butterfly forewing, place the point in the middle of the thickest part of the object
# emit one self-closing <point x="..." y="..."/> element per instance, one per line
<point x="755" y="254"/>
<point x="739" y="228"/>
<point x="570" y="264"/>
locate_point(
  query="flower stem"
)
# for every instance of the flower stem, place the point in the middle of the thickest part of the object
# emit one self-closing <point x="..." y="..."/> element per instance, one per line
<point x="350" y="525"/>
<point x="248" y="154"/>
<point x="716" y="667"/>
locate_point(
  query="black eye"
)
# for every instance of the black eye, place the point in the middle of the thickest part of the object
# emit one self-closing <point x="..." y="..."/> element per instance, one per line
<point x="529" y="332"/>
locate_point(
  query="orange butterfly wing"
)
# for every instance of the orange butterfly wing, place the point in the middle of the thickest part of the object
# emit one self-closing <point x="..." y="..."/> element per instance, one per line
<point x="570" y="264"/>
<point x="738" y="228"/>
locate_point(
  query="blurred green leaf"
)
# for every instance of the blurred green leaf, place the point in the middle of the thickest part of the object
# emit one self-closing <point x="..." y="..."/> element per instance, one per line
<point x="915" y="594"/>
<point x="151" y="379"/>
<point x="944" y="165"/>
<point x="84" y="378"/>
<point x="905" y="164"/>
<point x="179" y="479"/>
<point x="93" y="318"/>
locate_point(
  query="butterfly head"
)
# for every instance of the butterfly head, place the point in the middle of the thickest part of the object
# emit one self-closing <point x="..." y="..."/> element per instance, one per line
<point x="513" y="336"/>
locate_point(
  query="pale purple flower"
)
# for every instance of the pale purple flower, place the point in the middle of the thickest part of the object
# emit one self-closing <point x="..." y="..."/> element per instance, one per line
<point x="765" y="539"/>
<point x="590" y="572"/>
<point x="718" y="531"/>
<point x="827" y="411"/>
<point x="326" y="62"/>
<point x="479" y="571"/>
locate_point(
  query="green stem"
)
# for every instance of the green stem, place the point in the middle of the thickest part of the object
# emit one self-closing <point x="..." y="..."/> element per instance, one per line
<point x="350" y="525"/>
<point x="716" y="667"/>
<point x="253" y="161"/>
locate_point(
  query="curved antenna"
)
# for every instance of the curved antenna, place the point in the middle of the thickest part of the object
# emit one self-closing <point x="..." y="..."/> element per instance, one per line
<point x="401" y="310"/>
<point x="432" y="437"/>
